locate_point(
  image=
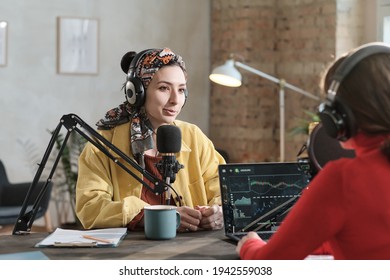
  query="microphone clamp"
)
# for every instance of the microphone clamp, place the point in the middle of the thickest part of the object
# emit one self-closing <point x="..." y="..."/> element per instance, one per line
<point x="168" y="167"/>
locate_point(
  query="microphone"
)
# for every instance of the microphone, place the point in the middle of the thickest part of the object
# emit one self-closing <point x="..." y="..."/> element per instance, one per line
<point x="323" y="148"/>
<point x="320" y="149"/>
<point x="168" y="143"/>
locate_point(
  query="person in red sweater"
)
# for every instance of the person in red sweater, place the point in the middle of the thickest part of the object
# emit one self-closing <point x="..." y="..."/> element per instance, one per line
<point x="347" y="204"/>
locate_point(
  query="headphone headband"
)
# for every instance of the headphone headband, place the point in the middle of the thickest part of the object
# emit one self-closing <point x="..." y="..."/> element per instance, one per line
<point x="131" y="73"/>
<point x="358" y="55"/>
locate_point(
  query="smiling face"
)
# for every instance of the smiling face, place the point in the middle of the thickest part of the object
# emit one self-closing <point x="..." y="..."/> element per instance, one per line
<point x="165" y="95"/>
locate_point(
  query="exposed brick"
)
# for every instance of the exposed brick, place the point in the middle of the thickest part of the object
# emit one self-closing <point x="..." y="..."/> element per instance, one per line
<point x="293" y="40"/>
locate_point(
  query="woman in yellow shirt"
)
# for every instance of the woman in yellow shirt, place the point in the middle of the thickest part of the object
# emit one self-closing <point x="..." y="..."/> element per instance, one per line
<point x="106" y="195"/>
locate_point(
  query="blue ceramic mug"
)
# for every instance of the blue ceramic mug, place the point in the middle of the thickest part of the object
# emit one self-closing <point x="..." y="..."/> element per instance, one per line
<point x="161" y="221"/>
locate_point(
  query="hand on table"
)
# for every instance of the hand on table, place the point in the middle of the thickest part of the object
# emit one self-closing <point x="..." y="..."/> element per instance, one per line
<point x="250" y="235"/>
<point x="212" y="218"/>
<point x="200" y="217"/>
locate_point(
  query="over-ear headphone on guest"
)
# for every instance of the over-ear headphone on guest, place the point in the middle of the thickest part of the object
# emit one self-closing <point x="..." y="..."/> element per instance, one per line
<point x="336" y="117"/>
<point x="134" y="89"/>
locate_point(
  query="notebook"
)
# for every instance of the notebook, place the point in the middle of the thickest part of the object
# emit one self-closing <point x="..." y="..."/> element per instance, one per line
<point x="106" y="237"/>
<point x="257" y="196"/>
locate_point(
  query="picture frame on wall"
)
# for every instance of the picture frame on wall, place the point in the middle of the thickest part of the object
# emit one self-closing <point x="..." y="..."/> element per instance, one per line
<point x="77" y="45"/>
<point x="3" y="42"/>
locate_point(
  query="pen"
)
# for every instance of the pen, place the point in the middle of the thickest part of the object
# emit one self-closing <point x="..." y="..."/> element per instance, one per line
<point x="97" y="239"/>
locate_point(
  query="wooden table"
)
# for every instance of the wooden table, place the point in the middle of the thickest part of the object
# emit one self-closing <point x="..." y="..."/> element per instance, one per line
<point x="192" y="245"/>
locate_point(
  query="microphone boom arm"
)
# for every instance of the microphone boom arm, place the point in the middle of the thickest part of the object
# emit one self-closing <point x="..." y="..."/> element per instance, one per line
<point x="71" y="122"/>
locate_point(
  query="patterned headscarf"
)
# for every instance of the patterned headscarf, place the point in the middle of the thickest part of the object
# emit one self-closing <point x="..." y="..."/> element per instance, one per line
<point x="141" y="129"/>
<point x="153" y="60"/>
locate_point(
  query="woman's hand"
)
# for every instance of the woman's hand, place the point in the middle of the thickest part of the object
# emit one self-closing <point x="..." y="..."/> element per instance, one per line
<point x="250" y="235"/>
<point x="189" y="218"/>
<point x="202" y="217"/>
<point x="212" y="218"/>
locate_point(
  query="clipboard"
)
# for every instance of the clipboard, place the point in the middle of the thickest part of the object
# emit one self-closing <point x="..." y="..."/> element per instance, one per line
<point x="68" y="238"/>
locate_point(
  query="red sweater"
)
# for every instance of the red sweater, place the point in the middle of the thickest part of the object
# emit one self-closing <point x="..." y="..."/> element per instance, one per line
<point x="346" y="205"/>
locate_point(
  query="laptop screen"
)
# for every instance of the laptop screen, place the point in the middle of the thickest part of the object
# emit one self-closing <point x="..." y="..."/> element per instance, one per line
<point x="257" y="196"/>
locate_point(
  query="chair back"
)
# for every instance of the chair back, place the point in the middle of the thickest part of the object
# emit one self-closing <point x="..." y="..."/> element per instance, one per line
<point x="3" y="175"/>
<point x="12" y="197"/>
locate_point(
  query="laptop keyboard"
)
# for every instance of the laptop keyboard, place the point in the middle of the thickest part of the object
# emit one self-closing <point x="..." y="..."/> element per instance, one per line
<point x="265" y="235"/>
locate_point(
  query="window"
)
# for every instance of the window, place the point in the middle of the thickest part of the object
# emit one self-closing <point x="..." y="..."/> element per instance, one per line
<point x="383" y="9"/>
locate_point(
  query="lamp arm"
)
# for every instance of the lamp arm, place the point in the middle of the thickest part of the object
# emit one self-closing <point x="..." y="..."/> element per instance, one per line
<point x="71" y="122"/>
<point x="274" y="79"/>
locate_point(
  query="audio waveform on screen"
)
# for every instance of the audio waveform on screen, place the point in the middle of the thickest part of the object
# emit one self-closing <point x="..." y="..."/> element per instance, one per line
<point x="263" y="185"/>
<point x="263" y="188"/>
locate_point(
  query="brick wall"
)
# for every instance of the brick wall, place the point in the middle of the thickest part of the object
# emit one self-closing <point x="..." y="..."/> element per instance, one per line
<point x="293" y="40"/>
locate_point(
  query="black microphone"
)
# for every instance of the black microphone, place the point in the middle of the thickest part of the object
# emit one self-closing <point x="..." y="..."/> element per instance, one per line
<point x="168" y="143"/>
<point x="322" y="148"/>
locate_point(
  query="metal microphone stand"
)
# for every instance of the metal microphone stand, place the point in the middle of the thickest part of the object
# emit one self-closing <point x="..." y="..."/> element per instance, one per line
<point x="71" y="122"/>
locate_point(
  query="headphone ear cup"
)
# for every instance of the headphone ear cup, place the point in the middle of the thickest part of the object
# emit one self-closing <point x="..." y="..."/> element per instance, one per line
<point x="329" y="120"/>
<point x="134" y="89"/>
<point x="135" y="93"/>
<point x="337" y="119"/>
<point x="350" y="127"/>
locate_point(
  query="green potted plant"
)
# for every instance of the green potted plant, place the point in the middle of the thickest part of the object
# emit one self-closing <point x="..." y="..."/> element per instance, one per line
<point x="305" y="125"/>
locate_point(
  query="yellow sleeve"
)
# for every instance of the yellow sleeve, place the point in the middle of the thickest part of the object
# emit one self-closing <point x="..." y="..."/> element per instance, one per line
<point x="106" y="195"/>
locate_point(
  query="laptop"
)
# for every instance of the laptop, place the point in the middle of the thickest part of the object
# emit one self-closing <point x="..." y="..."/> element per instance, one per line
<point x="258" y="196"/>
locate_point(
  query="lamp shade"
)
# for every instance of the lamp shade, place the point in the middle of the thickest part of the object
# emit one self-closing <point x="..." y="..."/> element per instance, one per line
<point x="226" y="75"/>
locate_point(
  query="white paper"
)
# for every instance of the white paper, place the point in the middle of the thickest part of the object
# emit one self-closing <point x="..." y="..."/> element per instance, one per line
<point x="68" y="238"/>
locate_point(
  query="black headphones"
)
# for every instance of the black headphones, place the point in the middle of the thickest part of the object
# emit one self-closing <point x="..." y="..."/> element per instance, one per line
<point x="336" y="117"/>
<point x="134" y="89"/>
